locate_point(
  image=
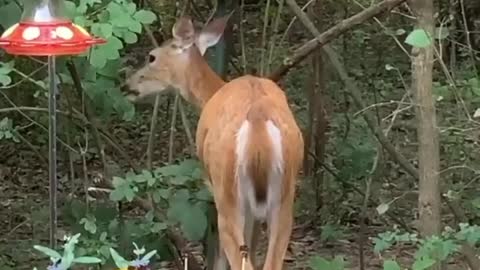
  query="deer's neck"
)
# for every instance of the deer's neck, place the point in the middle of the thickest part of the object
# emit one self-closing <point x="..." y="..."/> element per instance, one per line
<point x="201" y="81"/>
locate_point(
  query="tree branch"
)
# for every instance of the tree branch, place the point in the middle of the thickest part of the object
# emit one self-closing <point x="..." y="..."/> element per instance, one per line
<point x="330" y="34"/>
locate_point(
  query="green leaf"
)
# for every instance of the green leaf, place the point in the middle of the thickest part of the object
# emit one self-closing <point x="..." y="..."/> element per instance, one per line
<point x="149" y="255"/>
<point x="204" y="195"/>
<point x="67" y="260"/>
<point x="5" y="69"/>
<point x="48" y="251"/>
<point x="192" y="218"/>
<point x="423" y="263"/>
<point x="98" y="58"/>
<point x="441" y="33"/>
<point x="180" y="180"/>
<point x="118" y="181"/>
<point x="475" y="86"/>
<point x="319" y="263"/>
<point x="391" y="265"/>
<point x="145" y="16"/>
<point x="476" y="202"/>
<point x="418" y="38"/>
<point x="138" y="251"/>
<point x="9" y="14"/>
<point x="120" y="262"/>
<point x="107" y="29"/>
<point x="108" y="51"/>
<point x="70" y="9"/>
<point x="130" y="37"/>
<point x="89" y="224"/>
<point x="135" y="26"/>
<point x="5" y="80"/>
<point x="87" y="260"/>
<point x="104" y="30"/>
<point x="131" y="8"/>
<point x="382" y="208"/>
<point x="330" y="232"/>
<point x="8" y="134"/>
<point x="158" y="227"/>
<point x="160" y="194"/>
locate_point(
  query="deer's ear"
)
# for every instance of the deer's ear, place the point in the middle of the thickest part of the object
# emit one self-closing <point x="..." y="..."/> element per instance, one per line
<point x="183" y="31"/>
<point x="211" y="33"/>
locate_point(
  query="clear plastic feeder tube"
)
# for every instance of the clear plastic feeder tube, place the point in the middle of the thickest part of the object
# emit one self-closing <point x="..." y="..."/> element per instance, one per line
<point x="43" y="11"/>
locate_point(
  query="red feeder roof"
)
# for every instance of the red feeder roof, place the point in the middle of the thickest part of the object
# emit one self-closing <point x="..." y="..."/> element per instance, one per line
<point x="47" y="38"/>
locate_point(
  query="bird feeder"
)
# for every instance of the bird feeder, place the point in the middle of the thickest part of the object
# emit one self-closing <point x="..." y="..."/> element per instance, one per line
<point x="44" y="30"/>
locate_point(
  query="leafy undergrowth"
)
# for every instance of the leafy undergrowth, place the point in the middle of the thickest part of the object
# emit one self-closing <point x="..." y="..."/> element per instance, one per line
<point x="25" y="219"/>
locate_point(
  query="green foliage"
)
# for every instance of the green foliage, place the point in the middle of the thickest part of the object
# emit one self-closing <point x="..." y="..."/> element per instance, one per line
<point x="122" y="263"/>
<point x="176" y="188"/>
<point x="319" y="263"/>
<point x="469" y="233"/>
<point x="5" y="69"/>
<point x="9" y="13"/>
<point x="387" y="239"/>
<point x="7" y="131"/>
<point x="119" y="22"/>
<point x="68" y="259"/>
<point x="419" y="38"/>
<point x="330" y="233"/>
<point x="123" y="188"/>
<point x="430" y="250"/>
<point x="89" y="224"/>
<point x="391" y="265"/>
<point x="355" y="154"/>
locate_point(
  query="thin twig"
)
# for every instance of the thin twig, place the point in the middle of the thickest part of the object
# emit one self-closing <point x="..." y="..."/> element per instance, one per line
<point x="20" y="111"/>
<point x="186" y="126"/>
<point x="274" y="34"/>
<point x="31" y="146"/>
<point x="264" y="39"/>
<point x="172" y="128"/>
<point x="242" y="37"/>
<point x="154" y="118"/>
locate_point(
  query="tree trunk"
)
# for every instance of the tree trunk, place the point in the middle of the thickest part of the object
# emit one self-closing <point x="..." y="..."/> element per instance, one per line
<point x="428" y="148"/>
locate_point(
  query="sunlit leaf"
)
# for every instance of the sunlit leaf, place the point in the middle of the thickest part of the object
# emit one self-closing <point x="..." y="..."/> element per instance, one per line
<point x="87" y="260"/>
<point x="418" y="38"/>
<point x="48" y="251"/>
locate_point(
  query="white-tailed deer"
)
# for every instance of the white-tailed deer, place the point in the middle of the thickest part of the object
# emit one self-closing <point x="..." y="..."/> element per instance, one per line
<point x="247" y="139"/>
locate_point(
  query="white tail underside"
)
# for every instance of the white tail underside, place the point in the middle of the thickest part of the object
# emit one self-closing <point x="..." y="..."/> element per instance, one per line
<point x="246" y="192"/>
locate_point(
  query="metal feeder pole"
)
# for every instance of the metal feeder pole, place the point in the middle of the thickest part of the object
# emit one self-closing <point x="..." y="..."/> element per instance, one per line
<point x="52" y="152"/>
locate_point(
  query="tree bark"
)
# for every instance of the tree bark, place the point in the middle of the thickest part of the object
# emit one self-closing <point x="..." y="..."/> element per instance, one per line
<point x="429" y="203"/>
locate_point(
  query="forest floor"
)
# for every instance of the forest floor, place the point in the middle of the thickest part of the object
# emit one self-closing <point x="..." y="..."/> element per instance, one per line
<point x="24" y="210"/>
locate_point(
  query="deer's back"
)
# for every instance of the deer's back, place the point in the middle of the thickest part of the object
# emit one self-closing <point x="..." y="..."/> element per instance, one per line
<point x="225" y="112"/>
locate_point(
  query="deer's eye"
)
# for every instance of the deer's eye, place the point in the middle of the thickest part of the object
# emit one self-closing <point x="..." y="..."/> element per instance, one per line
<point x="151" y="58"/>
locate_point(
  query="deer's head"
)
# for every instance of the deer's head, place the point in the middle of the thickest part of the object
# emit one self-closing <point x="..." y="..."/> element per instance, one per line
<point x="169" y="65"/>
